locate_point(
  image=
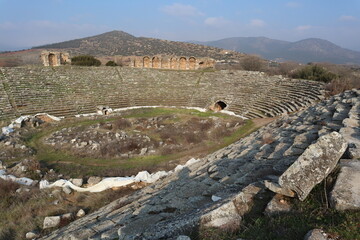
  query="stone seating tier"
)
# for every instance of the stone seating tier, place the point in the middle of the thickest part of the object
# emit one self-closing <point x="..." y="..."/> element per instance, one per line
<point x="69" y="90"/>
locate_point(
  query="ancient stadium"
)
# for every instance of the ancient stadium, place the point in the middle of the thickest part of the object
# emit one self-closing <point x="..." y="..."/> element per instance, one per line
<point x="268" y="170"/>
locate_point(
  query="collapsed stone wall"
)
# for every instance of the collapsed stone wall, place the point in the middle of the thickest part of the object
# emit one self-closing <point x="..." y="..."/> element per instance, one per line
<point x="219" y="188"/>
<point x="71" y="90"/>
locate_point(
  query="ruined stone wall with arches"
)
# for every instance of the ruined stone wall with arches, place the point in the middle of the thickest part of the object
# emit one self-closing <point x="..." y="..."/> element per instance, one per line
<point x="54" y="58"/>
<point x="170" y="62"/>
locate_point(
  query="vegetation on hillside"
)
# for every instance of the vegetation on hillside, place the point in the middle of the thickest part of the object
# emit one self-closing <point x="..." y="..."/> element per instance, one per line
<point x="314" y="72"/>
<point x="111" y="64"/>
<point x="123" y="44"/>
<point x="85" y="60"/>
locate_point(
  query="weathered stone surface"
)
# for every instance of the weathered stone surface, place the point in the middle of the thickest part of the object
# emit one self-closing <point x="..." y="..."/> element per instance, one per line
<point x="93" y="180"/>
<point x="278" y="204"/>
<point x="232" y="212"/>
<point x="316" y="234"/>
<point x="77" y="182"/>
<point x="183" y="237"/>
<point x="80" y="213"/>
<point x="32" y="235"/>
<point x="318" y="160"/>
<point x="346" y="192"/>
<point x="67" y="190"/>
<point x="276" y="188"/>
<point x="52" y="221"/>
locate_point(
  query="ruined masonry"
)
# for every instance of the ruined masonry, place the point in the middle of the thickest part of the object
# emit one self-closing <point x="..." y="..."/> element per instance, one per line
<point x="233" y="177"/>
<point x="54" y="58"/>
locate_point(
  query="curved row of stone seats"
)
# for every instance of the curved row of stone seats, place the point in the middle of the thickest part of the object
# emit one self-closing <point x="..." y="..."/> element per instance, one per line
<point x="70" y="90"/>
<point x="6" y="110"/>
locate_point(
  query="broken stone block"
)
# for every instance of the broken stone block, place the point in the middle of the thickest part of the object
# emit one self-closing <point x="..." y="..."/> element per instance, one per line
<point x="32" y="235"/>
<point x="183" y="237"/>
<point x="52" y="221"/>
<point x="316" y="234"/>
<point x="67" y="190"/>
<point x="278" y="204"/>
<point x="80" y="213"/>
<point x="77" y="182"/>
<point x="276" y="188"/>
<point x="231" y="213"/>
<point x="346" y="192"/>
<point x="317" y="161"/>
<point x="93" y="180"/>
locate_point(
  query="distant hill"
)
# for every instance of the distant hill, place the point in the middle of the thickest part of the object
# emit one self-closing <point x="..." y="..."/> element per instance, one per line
<point x="307" y="50"/>
<point x="122" y="43"/>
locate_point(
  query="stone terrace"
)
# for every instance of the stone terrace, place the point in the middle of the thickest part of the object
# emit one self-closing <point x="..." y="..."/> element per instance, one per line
<point x="69" y="90"/>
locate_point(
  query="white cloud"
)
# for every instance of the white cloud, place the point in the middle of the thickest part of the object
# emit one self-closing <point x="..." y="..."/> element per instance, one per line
<point x="257" y="23"/>
<point x="181" y="10"/>
<point x="304" y="28"/>
<point x="347" y="18"/>
<point x="216" y="21"/>
<point x="293" y="4"/>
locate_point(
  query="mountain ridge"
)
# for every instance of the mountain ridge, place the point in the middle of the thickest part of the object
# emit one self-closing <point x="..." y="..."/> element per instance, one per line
<point x="121" y="43"/>
<point x="304" y="51"/>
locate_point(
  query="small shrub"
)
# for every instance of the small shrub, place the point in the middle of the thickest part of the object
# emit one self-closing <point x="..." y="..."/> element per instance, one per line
<point x="85" y="60"/>
<point x="342" y="84"/>
<point x="111" y="64"/>
<point x="220" y="132"/>
<point x="7" y="187"/>
<point x="252" y="63"/>
<point x="192" y="137"/>
<point x="121" y="123"/>
<point x="314" y="72"/>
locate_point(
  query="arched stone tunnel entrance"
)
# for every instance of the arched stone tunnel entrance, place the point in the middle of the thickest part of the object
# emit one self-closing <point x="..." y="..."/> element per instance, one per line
<point x="182" y="63"/>
<point x="146" y="62"/>
<point x="173" y="63"/>
<point x="218" y="106"/>
<point x="192" y="63"/>
<point x="156" y="62"/>
<point x="52" y="60"/>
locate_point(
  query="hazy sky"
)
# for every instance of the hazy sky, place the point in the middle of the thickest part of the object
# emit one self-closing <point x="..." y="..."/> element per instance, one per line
<point x="27" y="23"/>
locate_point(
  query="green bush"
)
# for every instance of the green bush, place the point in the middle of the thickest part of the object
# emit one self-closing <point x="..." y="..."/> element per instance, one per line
<point x="316" y="73"/>
<point x="111" y="63"/>
<point x="85" y="60"/>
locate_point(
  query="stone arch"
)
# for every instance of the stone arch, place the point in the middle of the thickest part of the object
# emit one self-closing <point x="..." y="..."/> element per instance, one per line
<point x="173" y="63"/>
<point x="182" y="63"/>
<point x="165" y="63"/>
<point x="156" y="62"/>
<point x="146" y="62"/>
<point x="52" y="59"/>
<point x="192" y="63"/>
